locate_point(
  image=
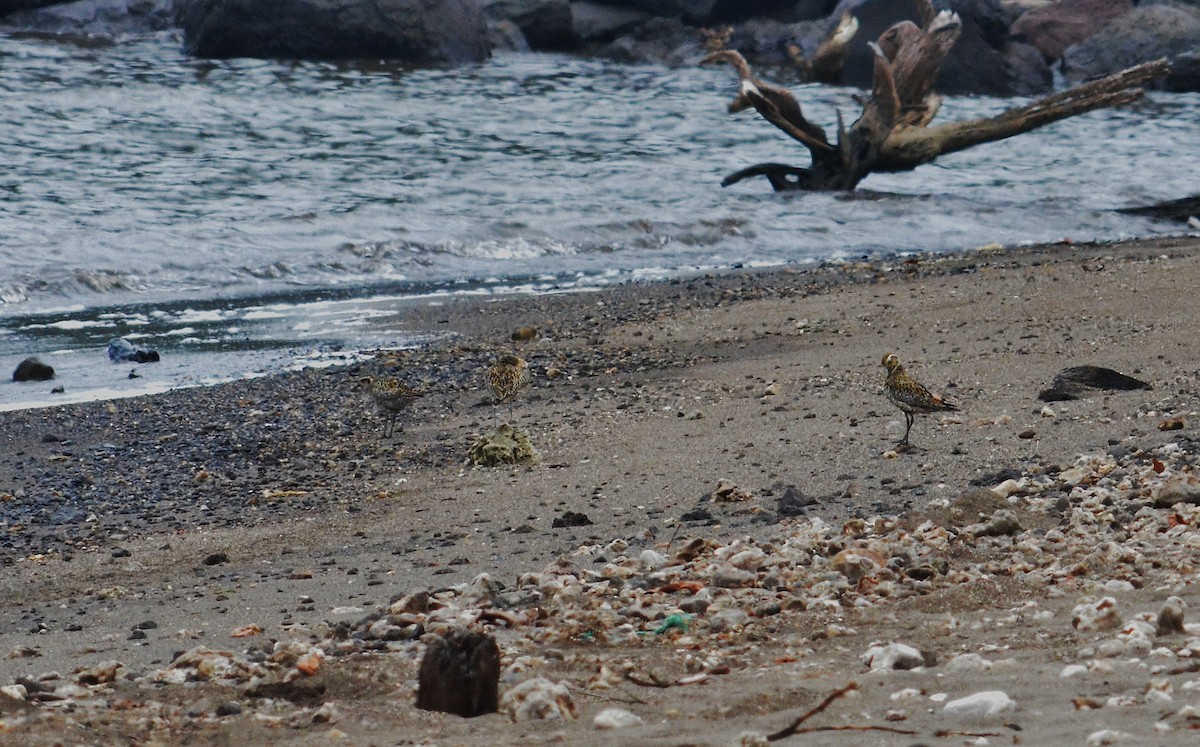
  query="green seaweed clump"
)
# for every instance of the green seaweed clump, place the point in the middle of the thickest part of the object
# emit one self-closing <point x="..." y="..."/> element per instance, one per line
<point x="505" y="445"/>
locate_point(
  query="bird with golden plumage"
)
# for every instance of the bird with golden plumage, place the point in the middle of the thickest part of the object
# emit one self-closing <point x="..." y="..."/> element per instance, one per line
<point x="909" y="395"/>
<point x="507" y="377"/>
<point x="391" y="396"/>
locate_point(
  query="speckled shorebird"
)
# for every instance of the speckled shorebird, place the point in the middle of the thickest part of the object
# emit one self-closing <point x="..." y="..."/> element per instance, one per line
<point x="507" y="377"/>
<point x="391" y="396"/>
<point x="906" y="393"/>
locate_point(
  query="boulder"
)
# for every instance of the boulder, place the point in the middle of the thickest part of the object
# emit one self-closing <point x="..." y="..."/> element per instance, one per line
<point x="785" y="11"/>
<point x="1185" y="73"/>
<point x="1143" y="34"/>
<point x="595" y="22"/>
<point x="694" y="12"/>
<point x="545" y="24"/>
<point x="765" y="42"/>
<point x="420" y="32"/>
<point x="14" y="6"/>
<point x="97" y="18"/>
<point x="982" y="61"/>
<point x="32" y="369"/>
<point x="664" y="40"/>
<point x="1053" y="28"/>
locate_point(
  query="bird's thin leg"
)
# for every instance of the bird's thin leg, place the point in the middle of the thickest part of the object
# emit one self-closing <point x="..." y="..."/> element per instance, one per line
<point x="389" y="426"/>
<point x="908" y="422"/>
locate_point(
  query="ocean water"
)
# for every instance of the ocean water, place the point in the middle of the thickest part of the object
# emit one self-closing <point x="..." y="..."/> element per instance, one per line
<point x="244" y="216"/>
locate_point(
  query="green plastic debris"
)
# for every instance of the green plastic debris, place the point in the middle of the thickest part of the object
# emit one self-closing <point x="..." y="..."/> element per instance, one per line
<point x="677" y="621"/>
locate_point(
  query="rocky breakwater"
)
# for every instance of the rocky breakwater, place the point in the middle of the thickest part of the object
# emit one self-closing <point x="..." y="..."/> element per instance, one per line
<point x="1006" y="48"/>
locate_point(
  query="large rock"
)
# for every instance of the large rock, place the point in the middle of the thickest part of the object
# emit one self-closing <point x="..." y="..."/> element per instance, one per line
<point x="32" y="369"/>
<point x="982" y="61"/>
<point x="1053" y="28"/>
<point x="97" y="18"/>
<point x="665" y="40"/>
<point x="1185" y="73"/>
<point x="545" y="24"/>
<point x="785" y="11"/>
<point x="688" y="11"/>
<point x="594" y="22"/>
<point x="13" y="6"/>
<point x="422" y="32"/>
<point x="1143" y="34"/>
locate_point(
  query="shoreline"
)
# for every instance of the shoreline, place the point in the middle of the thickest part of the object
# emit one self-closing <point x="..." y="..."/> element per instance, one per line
<point x="767" y="379"/>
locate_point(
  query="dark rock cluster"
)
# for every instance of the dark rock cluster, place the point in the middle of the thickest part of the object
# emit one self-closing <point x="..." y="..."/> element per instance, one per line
<point x="1008" y="47"/>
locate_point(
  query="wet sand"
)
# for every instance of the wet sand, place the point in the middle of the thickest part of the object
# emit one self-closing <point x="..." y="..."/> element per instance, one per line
<point x="137" y="529"/>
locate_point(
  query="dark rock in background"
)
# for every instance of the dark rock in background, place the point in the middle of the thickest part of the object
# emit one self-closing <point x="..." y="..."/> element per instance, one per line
<point x="421" y="32"/>
<point x="1185" y="73"/>
<point x="981" y="62"/>
<point x="96" y="18"/>
<point x="545" y="24"/>
<point x="14" y="6"/>
<point x="1142" y="35"/>
<point x="1053" y="28"/>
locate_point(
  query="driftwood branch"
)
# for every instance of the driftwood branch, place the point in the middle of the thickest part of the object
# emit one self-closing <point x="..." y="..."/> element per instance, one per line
<point x="893" y="133"/>
<point x="907" y="148"/>
<point x="841" y="692"/>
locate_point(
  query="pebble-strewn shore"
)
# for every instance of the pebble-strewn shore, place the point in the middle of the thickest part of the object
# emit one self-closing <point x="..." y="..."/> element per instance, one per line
<point x="718" y="534"/>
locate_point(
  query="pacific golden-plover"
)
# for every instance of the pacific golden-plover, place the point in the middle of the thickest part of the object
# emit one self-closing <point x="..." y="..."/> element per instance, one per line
<point x="507" y="377"/>
<point x="391" y="396"/>
<point x="907" y="394"/>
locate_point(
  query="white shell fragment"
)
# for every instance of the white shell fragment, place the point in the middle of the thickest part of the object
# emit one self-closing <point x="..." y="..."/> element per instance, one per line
<point x="538" y="699"/>
<point x="616" y="718"/>
<point x="892" y="656"/>
<point x="980" y="706"/>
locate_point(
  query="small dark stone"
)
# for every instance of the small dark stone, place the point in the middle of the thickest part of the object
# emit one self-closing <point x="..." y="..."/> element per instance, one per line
<point x="137" y="635"/>
<point x="768" y="609"/>
<point x="297" y="691"/>
<point x="697" y="514"/>
<point x="571" y="519"/>
<point x="146" y="625"/>
<point x="32" y="369"/>
<point x="216" y="559"/>
<point x="120" y="552"/>
<point x="921" y="572"/>
<point x="1027" y="434"/>
<point x="50" y="438"/>
<point x="694" y="606"/>
<point x="995" y="478"/>
<point x="523" y="529"/>
<point x="229" y="708"/>
<point x="793" y="502"/>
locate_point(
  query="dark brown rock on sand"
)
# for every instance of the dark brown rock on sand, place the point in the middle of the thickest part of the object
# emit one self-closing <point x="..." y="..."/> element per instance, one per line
<point x="32" y="369"/>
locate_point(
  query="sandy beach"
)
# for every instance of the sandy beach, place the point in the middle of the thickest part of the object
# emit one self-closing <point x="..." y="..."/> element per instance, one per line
<point x="717" y="530"/>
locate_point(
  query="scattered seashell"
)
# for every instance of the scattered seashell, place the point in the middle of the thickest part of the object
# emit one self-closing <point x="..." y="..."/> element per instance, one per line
<point x="246" y="631"/>
<point x="616" y="718"/>
<point x="882" y="657"/>
<point x="1106" y="737"/>
<point x="1100" y="615"/>
<point x="538" y="699"/>
<point x="981" y="706"/>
